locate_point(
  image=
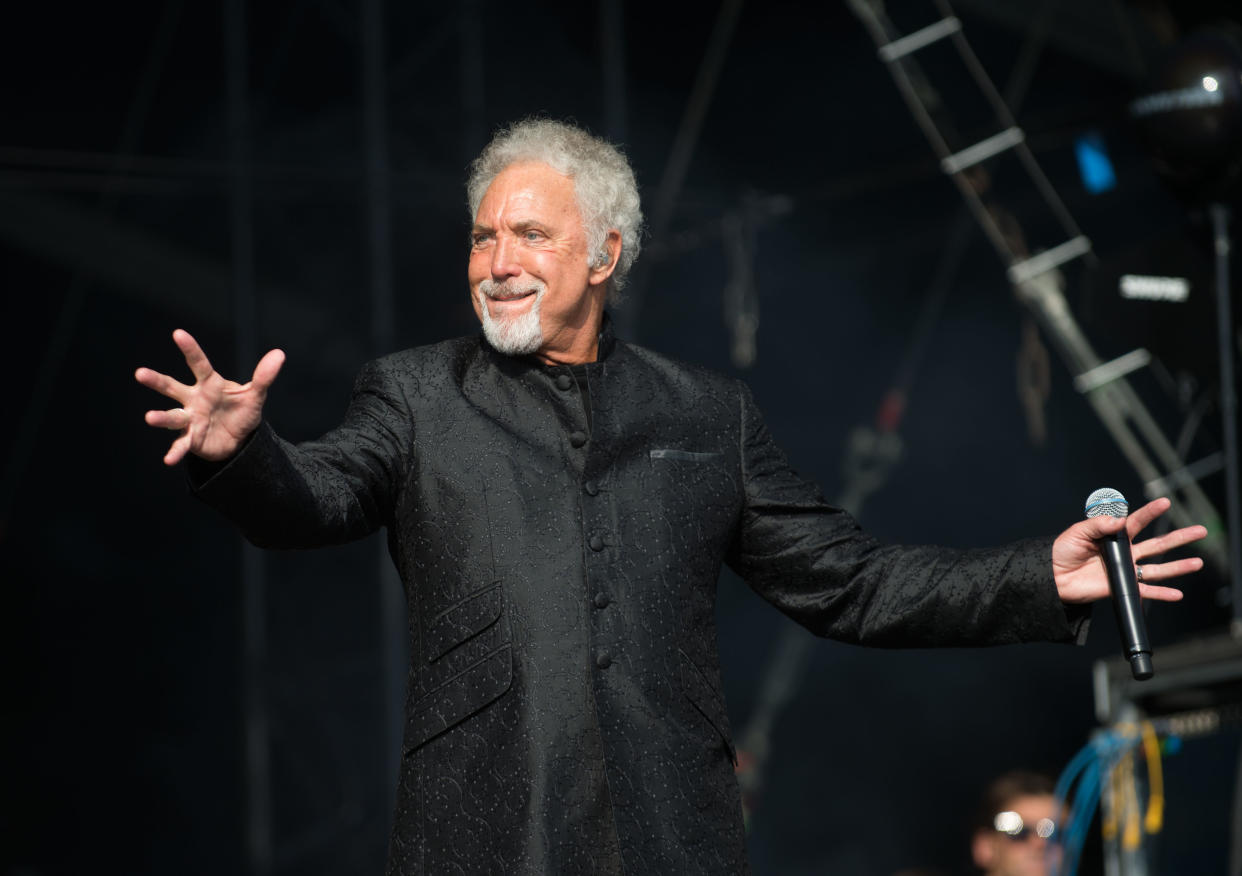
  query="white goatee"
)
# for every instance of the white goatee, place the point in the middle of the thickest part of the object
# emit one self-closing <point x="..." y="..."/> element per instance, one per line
<point x="517" y="335"/>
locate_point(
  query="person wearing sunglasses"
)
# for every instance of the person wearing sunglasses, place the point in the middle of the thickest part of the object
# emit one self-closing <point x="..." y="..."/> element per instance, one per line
<point x="1017" y="822"/>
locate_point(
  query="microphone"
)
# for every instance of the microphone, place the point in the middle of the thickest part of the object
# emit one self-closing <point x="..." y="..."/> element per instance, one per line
<point x="1115" y="550"/>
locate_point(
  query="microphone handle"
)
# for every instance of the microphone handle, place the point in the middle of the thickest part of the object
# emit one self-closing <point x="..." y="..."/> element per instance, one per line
<point x="1126" y="606"/>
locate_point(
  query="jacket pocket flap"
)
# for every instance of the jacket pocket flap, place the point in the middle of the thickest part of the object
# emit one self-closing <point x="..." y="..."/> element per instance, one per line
<point x="467" y="618"/>
<point x="458" y="698"/>
<point x="704" y="697"/>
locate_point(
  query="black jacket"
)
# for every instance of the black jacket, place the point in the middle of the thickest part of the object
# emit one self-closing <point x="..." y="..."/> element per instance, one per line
<point x="564" y="710"/>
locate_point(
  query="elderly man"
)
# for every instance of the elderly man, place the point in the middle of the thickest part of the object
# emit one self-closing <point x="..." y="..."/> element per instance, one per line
<point x="559" y="504"/>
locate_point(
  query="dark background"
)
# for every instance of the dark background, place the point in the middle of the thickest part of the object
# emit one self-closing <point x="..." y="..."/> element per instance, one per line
<point x="123" y="610"/>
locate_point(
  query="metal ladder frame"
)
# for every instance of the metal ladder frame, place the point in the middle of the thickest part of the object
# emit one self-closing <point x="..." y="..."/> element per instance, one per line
<point x="1037" y="280"/>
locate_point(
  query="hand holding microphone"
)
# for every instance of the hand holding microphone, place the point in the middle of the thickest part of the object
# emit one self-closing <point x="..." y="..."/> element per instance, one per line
<point x="1123" y="578"/>
<point x="1090" y="554"/>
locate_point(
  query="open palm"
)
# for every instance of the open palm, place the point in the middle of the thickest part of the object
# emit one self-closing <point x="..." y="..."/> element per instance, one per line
<point x="1079" y="571"/>
<point x="215" y="415"/>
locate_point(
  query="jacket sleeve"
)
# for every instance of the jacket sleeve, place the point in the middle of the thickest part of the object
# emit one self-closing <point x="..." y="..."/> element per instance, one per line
<point x="336" y="489"/>
<point x="813" y="562"/>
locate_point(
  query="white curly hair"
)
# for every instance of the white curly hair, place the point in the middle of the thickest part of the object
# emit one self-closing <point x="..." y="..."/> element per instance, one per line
<point x="604" y="183"/>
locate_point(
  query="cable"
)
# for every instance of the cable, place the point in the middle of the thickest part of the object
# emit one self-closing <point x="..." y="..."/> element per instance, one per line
<point x="1155" y="780"/>
<point x="1110" y="757"/>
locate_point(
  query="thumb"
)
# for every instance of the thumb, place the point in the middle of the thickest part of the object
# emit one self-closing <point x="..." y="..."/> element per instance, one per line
<point x="1099" y="527"/>
<point x="267" y="369"/>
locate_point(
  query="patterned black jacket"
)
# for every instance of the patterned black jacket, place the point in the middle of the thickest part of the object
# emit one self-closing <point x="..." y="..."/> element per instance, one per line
<point x="564" y="709"/>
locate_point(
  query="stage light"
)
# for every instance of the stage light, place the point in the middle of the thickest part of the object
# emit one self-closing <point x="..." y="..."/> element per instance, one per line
<point x="1190" y="117"/>
<point x="1093" y="163"/>
<point x="1154" y="288"/>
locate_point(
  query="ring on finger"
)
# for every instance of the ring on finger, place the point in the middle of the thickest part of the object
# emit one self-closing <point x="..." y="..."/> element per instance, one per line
<point x="1138" y="572"/>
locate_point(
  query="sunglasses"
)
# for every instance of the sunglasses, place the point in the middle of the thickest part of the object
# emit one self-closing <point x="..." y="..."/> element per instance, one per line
<point x="1011" y="826"/>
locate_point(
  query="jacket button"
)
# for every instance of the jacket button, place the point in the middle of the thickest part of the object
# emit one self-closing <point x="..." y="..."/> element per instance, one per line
<point x="577" y="438"/>
<point x="564" y="381"/>
<point x="596" y="543"/>
<point x="592" y="488"/>
<point x="601" y="600"/>
<point x="603" y="660"/>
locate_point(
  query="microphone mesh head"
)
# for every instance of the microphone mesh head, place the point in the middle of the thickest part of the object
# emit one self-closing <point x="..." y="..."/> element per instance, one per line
<point x="1107" y="502"/>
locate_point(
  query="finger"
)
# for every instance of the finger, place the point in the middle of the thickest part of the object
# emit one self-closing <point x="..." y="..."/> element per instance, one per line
<point x="194" y="355"/>
<point x="1160" y="594"/>
<point x="1098" y="527"/>
<point x="1153" y="547"/>
<point x="267" y="369"/>
<point x="177" y="418"/>
<point x="1139" y="520"/>
<point x="178" y="450"/>
<point x="163" y="384"/>
<point x="1174" y="569"/>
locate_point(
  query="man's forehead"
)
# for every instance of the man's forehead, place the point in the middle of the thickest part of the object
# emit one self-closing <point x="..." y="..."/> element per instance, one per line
<point x="1033" y="803"/>
<point x="512" y="221"/>
<point x="527" y="191"/>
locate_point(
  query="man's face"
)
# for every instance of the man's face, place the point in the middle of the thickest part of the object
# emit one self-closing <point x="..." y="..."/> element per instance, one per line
<point x="999" y="854"/>
<point x="530" y="281"/>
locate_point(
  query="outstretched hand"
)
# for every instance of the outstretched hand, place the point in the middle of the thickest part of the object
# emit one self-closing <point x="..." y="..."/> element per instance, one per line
<point x="1079" y="570"/>
<point x="215" y="415"/>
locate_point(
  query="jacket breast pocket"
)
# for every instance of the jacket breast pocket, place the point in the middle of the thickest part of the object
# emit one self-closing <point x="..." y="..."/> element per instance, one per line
<point x="685" y="455"/>
<point x="695" y="494"/>
<point x="707" y="702"/>
<point x="467" y="663"/>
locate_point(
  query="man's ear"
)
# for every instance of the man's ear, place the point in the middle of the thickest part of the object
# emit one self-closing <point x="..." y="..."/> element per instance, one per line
<point x="604" y="262"/>
<point x="983" y="850"/>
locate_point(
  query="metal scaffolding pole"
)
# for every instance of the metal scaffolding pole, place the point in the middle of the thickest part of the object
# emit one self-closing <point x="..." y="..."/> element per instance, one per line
<point x="115" y="167"/>
<point x="392" y="609"/>
<point x="377" y="175"/>
<point x="1228" y="407"/>
<point x="474" y="120"/>
<point x="684" y="143"/>
<point x="255" y="715"/>
<point x="612" y="62"/>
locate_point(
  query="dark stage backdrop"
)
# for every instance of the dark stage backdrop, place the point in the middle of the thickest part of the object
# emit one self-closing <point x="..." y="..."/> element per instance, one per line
<point x="123" y="599"/>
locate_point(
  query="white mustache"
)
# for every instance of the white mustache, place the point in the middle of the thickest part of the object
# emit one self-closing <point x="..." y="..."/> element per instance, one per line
<point x="509" y="289"/>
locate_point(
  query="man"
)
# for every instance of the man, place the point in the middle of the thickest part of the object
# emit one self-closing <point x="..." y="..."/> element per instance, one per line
<point x="1017" y="821"/>
<point x="559" y="504"/>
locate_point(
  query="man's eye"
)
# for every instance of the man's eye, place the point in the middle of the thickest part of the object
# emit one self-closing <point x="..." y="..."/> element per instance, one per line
<point x="533" y="235"/>
<point x="478" y="240"/>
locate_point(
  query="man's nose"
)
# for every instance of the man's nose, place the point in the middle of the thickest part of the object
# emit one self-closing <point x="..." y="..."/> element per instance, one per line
<point x="504" y="259"/>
